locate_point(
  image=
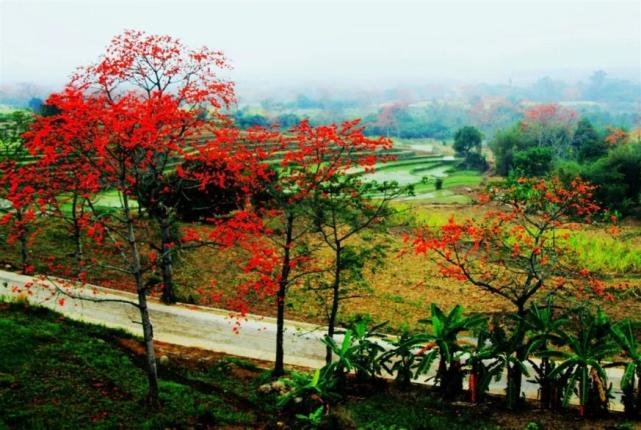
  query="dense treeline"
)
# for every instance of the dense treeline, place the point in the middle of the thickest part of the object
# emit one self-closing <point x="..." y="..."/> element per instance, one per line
<point x="555" y="140"/>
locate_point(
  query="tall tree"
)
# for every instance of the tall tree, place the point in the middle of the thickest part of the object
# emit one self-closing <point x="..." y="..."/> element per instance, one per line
<point x="551" y="126"/>
<point x="119" y="123"/>
<point x="313" y="157"/>
<point x="16" y="191"/>
<point x="176" y="84"/>
<point x="342" y="209"/>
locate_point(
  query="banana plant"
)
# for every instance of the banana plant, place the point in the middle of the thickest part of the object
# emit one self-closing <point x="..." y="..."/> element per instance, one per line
<point x="582" y="363"/>
<point x="543" y="328"/>
<point x="483" y="365"/>
<point x="359" y="351"/>
<point x="402" y="359"/>
<point x="366" y="350"/>
<point x="343" y="363"/>
<point x="625" y="335"/>
<point x="307" y="393"/>
<point x="507" y="354"/>
<point x="443" y="341"/>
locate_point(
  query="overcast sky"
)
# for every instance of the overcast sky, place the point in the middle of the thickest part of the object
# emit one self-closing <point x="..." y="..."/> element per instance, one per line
<point x="344" y="41"/>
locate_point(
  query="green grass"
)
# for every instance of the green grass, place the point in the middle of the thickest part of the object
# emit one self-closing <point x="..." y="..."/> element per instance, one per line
<point x="602" y="252"/>
<point x="412" y="410"/>
<point x="596" y="249"/>
<point x="63" y="375"/>
<point x="59" y="374"/>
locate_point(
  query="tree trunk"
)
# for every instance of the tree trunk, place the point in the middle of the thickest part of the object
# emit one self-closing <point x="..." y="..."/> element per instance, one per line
<point x="638" y="402"/>
<point x="147" y="329"/>
<point x="168" y="295"/>
<point x="514" y="378"/>
<point x="441" y="376"/>
<point x="472" y="385"/>
<point x="148" y="336"/>
<point x="331" y="324"/>
<point x="514" y="375"/>
<point x="629" y="401"/>
<point x="77" y="235"/>
<point x="546" y="384"/>
<point x="22" y="238"/>
<point x="279" y="362"/>
<point x="453" y="380"/>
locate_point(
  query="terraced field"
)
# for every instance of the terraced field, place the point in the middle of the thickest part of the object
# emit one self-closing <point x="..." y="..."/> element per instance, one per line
<point x="421" y="163"/>
<point x="416" y="162"/>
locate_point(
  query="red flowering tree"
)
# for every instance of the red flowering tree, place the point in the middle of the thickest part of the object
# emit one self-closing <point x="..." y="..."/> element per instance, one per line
<point x="16" y="191"/>
<point x="520" y="249"/>
<point x="312" y="158"/>
<point x="179" y="88"/>
<point x="615" y="136"/>
<point x="120" y="125"/>
<point x="550" y="126"/>
<point x="19" y="207"/>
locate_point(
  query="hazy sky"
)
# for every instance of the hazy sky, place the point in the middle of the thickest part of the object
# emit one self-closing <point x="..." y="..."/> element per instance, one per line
<point x="281" y="42"/>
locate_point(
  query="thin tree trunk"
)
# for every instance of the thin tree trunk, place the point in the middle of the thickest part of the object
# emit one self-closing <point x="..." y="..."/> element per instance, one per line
<point x="331" y="324"/>
<point x="147" y="329"/>
<point x="441" y="376"/>
<point x="77" y="235"/>
<point x="638" y="403"/>
<point x="546" y="385"/>
<point x="166" y="264"/>
<point x="148" y="336"/>
<point x="22" y="238"/>
<point x="279" y="362"/>
<point x="472" y="385"/>
<point x="515" y="376"/>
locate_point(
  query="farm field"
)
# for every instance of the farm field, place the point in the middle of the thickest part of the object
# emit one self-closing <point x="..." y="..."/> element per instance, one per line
<point x="417" y="162"/>
<point x="399" y="291"/>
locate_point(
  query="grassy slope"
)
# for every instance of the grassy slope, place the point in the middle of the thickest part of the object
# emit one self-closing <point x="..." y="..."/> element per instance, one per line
<point x="59" y="374"/>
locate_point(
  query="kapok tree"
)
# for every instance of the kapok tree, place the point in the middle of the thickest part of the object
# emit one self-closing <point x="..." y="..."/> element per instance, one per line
<point x="520" y="248"/>
<point x="19" y="207"/>
<point x="120" y="123"/>
<point x="550" y="126"/>
<point x="313" y="157"/>
<point x="183" y="97"/>
<point x="16" y="192"/>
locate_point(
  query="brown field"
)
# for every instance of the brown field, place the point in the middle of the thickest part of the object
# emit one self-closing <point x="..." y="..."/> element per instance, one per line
<point x="400" y="291"/>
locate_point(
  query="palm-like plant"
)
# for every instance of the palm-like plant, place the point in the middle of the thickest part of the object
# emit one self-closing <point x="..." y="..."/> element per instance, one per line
<point x="625" y="335"/>
<point x="343" y="351"/>
<point x="543" y="329"/>
<point x="483" y="366"/>
<point x="507" y="348"/>
<point x="444" y="342"/>
<point x="402" y="360"/>
<point x="359" y="351"/>
<point x="582" y="363"/>
<point x="366" y="351"/>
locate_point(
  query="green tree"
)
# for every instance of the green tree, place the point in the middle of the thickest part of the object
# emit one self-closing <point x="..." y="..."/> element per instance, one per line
<point x="586" y="142"/>
<point x="467" y="144"/>
<point x="532" y="162"/>
<point x="342" y="210"/>
<point x="504" y="144"/>
<point x="618" y="178"/>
